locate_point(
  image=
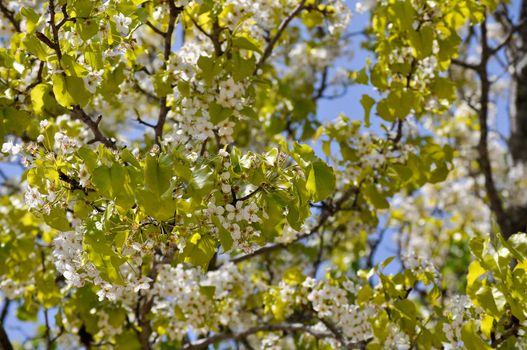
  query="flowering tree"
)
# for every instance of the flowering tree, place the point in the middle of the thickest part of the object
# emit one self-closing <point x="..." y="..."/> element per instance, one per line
<point x="181" y="192"/>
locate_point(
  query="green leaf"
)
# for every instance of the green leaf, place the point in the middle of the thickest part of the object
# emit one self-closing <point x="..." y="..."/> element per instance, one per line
<point x="439" y="174"/>
<point x="241" y="67"/>
<point x="403" y="13"/>
<point x="162" y="84"/>
<point x="293" y="276"/>
<point x="44" y="102"/>
<point x="128" y="157"/>
<point x="422" y="41"/>
<point x="293" y="216"/>
<point x="200" y="250"/>
<point x="375" y="197"/>
<point x="160" y="208"/>
<point x="71" y="67"/>
<point x="223" y="235"/>
<point x="320" y="181"/>
<point x="87" y="28"/>
<point x="218" y="113"/>
<point x="485" y="299"/>
<point x="471" y="339"/>
<point x="15" y="120"/>
<point x="360" y="77"/>
<point x="517" y="244"/>
<point x="486" y="325"/>
<point x="475" y="270"/>
<point x="208" y="291"/>
<point x="158" y="173"/>
<point x="32" y="18"/>
<point x="202" y="180"/>
<point x="88" y="156"/>
<point x="57" y="219"/>
<point x="367" y="103"/>
<point x="82" y="8"/>
<point x="209" y="66"/>
<point x="403" y="172"/>
<point x="444" y="88"/>
<point x="478" y="246"/>
<point x="364" y="294"/>
<point x="93" y="57"/>
<point x="35" y="47"/>
<point x="385" y="110"/>
<point x="70" y="91"/>
<point x="247" y="43"/>
<point x="101" y="179"/>
<point x="406" y="308"/>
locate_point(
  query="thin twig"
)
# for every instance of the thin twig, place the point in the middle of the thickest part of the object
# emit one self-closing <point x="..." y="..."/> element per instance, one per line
<point x="269" y="49"/>
<point x="39" y="76"/>
<point x="509" y="37"/>
<point x="10" y="15"/>
<point x="54" y="29"/>
<point x="155" y="29"/>
<point x="214" y="37"/>
<point x="163" y="108"/>
<point x="327" y="213"/>
<point x="244" y="198"/>
<point x="79" y="113"/>
<point x="323" y="85"/>
<point x="141" y="121"/>
<point x="463" y="64"/>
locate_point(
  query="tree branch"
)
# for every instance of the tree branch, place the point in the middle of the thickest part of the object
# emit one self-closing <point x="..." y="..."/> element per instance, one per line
<point x="77" y="111"/>
<point x="269" y="49"/>
<point x="163" y="108"/>
<point x="155" y="29"/>
<point x="323" y="85"/>
<point x="286" y="327"/>
<point x="214" y="37"/>
<point x="509" y="37"/>
<point x="5" y="343"/>
<point x="511" y="330"/>
<point x="10" y="15"/>
<point x="54" y="29"/>
<point x="336" y="332"/>
<point x="320" y="254"/>
<point x="5" y="310"/>
<point x="144" y="309"/>
<point x="374" y="246"/>
<point x="327" y="213"/>
<point x="466" y="65"/>
<point x="250" y="194"/>
<point x="518" y="108"/>
<point x="484" y="160"/>
<point x="47" y="41"/>
<point x="80" y="114"/>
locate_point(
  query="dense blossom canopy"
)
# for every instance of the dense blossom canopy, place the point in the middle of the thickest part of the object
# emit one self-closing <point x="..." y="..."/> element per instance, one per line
<point x="181" y="191"/>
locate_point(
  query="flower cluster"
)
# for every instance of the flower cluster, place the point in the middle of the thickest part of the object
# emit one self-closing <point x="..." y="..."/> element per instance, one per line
<point x="332" y="302"/>
<point x="191" y="298"/>
<point x="456" y="312"/>
<point x="237" y="219"/>
<point x="68" y="254"/>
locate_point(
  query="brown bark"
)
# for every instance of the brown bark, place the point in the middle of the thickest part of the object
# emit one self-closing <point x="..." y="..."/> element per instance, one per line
<point x="5" y="344"/>
<point x="518" y="137"/>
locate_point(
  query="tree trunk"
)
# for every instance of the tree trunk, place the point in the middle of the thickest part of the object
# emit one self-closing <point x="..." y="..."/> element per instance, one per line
<point x="518" y="137"/>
